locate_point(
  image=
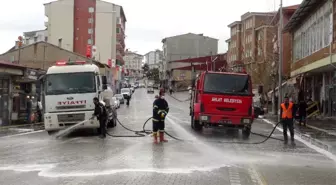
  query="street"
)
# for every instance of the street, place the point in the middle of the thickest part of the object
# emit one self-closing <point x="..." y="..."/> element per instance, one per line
<point x="83" y="158"/>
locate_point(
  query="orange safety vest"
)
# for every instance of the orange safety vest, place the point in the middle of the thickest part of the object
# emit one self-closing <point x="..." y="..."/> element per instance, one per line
<point x="287" y="112"/>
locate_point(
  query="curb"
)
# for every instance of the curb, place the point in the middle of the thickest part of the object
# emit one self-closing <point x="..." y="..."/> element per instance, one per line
<point x="321" y="130"/>
<point x="314" y="128"/>
<point x="318" y="143"/>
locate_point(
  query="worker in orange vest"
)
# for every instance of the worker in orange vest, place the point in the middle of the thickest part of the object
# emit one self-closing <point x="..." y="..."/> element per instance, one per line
<point x="286" y="113"/>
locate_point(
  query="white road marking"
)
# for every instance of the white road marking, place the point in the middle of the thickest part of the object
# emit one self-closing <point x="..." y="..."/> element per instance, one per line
<point x="234" y="176"/>
<point x="27" y="133"/>
<point x="21" y="129"/>
<point x="45" y="170"/>
<point x="255" y="177"/>
<point x="317" y="149"/>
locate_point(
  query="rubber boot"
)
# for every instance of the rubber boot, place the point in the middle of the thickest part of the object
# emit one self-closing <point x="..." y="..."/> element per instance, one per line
<point x="293" y="142"/>
<point x="162" y="139"/>
<point x="155" y="138"/>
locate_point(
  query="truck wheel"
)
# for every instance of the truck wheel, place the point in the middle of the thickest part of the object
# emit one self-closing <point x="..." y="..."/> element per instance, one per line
<point x="195" y="124"/>
<point x="246" y="132"/>
<point x="51" y="132"/>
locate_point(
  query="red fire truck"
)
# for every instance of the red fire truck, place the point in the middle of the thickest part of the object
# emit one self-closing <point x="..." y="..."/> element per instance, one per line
<point x="222" y="99"/>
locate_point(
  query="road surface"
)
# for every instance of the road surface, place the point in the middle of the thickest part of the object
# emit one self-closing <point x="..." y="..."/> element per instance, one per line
<point x="83" y="158"/>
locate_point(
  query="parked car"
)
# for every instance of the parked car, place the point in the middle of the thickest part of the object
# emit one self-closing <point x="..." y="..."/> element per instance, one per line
<point x="120" y="97"/>
<point x="126" y="92"/>
<point x="257" y="107"/>
<point x="116" y="102"/>
<point x="142" y="85"/>
<point x="156" y="86"/>
<point x="150" y="90"/>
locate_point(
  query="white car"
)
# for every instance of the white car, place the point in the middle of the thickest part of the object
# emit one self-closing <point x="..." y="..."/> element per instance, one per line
<point x="126" y="92"/>
<point x="115" y="102"/>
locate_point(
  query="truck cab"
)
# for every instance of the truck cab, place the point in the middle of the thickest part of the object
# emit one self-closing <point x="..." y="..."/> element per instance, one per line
<point x="222" y="99"/>
<point x="69" y="89"/>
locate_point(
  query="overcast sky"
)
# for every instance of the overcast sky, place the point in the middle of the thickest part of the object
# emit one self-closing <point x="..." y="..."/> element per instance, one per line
<point x="148" y="21"/>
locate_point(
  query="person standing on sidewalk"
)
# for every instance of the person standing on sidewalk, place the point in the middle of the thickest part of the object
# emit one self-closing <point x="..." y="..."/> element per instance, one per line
<point x="286" y="113"/>
<point x="302" y="112"/>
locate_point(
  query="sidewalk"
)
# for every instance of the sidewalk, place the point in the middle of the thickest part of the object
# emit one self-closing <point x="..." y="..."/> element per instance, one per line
<point x="17" y="128"/>
<point x="321" y="133"/>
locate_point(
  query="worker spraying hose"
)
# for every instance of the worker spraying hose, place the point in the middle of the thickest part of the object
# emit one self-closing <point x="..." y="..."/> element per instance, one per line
<point x="101" y="113"/>
<point x="160" y="111"/>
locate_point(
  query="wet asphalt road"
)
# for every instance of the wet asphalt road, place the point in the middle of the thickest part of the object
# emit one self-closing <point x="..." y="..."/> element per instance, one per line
<point x="82" y="158"/>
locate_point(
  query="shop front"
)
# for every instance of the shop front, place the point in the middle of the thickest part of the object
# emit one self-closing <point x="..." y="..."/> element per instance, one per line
<point x="25" y="95"/>
<point x="8" y="71"/>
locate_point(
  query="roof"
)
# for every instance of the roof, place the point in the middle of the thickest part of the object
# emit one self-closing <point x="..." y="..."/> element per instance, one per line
<point x="121" y="8"/>
<point x="228" y="40"/>
<point x="73" y="69"/>
<point x="201" y="34"/>
<point x="49" y="44"/>
<point x="234" y="23"/>
<point x="305" y="8"/>
<point x="263" y="26"/>
<point x="287" y="9"/>
<point x="10" y="64"/>
<point x="134" y="53"/>
<point x="250" y="14"/>
<point x="203" y="59"/>
<point x="204" y="66"/>
<point x="33" y="32"/>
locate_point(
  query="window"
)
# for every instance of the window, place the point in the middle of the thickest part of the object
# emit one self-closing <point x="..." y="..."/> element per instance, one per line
<point x="118" y="30"/>
<point x="314" y="34"/>
<point x="69" y="83"/>
<point x="90" y="20"/>
<point x="226" y="84"/>
<point x="259" y="51"/>
<point x="46" y="39"/>
<point x="91" y="9"/>
<point x="35" y="39"/>
<point x="89" y="41"/>
<point x="90" y="30"/>
<point x="59" y="42"/>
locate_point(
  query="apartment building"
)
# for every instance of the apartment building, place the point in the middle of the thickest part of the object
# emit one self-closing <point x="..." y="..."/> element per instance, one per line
<point x="133" y="63"/>
<point x="154" y="59"/>
<point x="35" y="36"/>
<point x="75" y="24"/>
<point x="185" y="46"/>
<point x="243" y="49"/>
<point x="313" y="60"/>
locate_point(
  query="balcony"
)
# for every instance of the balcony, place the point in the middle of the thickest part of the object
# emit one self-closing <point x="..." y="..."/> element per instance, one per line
<point x="120" y="36"/>
<point x="120" y="47"/>
<point x="121" y="28"/>
<point x="120" y="59"/>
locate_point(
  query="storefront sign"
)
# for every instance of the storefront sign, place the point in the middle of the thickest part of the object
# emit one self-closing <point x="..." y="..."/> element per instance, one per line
<point x="31" y="74"/>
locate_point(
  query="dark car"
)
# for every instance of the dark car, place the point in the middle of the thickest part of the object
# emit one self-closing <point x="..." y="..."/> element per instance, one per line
<point x="156" y="86"/>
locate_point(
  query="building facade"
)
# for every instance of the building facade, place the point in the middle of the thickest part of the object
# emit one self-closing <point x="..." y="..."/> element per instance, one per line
<point x="313" y="62"/>
<point x="133" y="64"/>
<point x="154" y="59"/>
<point x="243" y="50"/>
<point x="35" y="36"/>
<point x="185" y="46"/>
<point x="75" y="24"/>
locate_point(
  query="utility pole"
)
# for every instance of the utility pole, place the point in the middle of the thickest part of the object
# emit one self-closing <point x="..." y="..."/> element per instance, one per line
<point x="44" y="54"/>
<point x="280" y="57"/>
